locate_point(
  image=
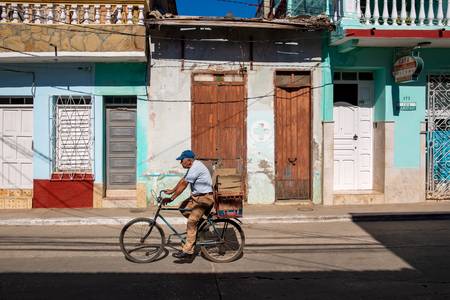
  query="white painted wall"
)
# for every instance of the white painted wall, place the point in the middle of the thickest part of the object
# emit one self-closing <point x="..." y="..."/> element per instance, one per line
<point x="170" y="122"/>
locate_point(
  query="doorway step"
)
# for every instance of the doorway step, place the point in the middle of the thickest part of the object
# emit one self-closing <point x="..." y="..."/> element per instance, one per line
<point x="120" y="199"/>
<point x="353" y="197"/>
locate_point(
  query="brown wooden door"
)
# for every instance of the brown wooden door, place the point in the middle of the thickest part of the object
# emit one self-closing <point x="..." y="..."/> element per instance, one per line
<point x="293" y="140"/>
<point x="218" y="123"/>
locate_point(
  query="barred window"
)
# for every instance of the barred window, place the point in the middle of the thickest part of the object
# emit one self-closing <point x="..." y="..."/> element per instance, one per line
<point x="73" y="134"/>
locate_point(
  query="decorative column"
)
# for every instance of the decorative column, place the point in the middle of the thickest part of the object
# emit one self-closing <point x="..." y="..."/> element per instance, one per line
<point x="4" y="15"/>
<point x="430" y="13"/>
<point x="37" y="15"/>
<point x="86" y="14"/>
<point x="385" y="13"/>
<point x="394" y="14"/>
<point x="376" y="13"/>
<point x="26" y="13"/>
<point x="403" y="13"/>
<point x="129" y="14"/>
<point x="15" y="16"/>
<point x="141" y="15"/>
<point x="422" y="13"/>
<point x="49" y="13"/>
<point x="412" y="14"/>
<point x="440" y="14"/>
<point x="119" y="14"/>
<point x="74" y="19"/>
<point x="367" y="14"/>
<point x="97" y="14"/>
<point x="62" y="14"/>
<point x="108" y="14"/>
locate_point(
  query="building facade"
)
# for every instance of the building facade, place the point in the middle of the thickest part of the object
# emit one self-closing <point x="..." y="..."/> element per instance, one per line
<point x="386" y="123"/>
<point x="245" y="96"/>
<point x="72" y="101"/>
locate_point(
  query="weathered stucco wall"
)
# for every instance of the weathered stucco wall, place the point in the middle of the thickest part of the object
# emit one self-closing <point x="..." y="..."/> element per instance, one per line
<point x="91" y="38"/>
<point x="170" y="106"/>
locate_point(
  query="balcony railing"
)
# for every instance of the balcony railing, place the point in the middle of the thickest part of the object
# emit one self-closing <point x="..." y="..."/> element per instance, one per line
<point x="50" y="13"/>
<point x="395" y="12"/>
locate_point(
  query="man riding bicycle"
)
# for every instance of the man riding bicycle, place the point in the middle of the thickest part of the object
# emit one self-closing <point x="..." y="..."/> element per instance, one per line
<point x="200" y="201"/>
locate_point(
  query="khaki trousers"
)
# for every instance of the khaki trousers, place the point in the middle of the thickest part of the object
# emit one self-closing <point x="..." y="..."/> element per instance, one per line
<point x="199" y="205"/>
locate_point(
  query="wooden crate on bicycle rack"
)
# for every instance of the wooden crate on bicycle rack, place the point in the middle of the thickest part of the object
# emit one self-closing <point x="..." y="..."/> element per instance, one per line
<point x="229" y="193"/>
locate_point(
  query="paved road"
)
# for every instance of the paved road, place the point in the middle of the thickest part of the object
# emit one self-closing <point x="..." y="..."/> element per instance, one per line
<point x="375" y="260"/>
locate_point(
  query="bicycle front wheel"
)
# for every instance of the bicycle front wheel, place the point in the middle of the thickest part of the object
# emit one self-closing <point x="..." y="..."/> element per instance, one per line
<point x="142" y="240"/>
<point x="222" y="241"/>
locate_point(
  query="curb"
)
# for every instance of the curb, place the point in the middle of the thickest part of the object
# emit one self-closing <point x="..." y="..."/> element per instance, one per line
<point x="356" y="217"/>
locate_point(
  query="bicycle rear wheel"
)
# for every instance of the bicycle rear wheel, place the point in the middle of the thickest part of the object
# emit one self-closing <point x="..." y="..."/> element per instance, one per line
<point x="142" y="240"/>
<point x="222" y="241"/>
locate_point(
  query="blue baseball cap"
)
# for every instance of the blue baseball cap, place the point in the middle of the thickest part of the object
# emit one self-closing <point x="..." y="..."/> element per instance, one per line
<point x="186" y="154"/>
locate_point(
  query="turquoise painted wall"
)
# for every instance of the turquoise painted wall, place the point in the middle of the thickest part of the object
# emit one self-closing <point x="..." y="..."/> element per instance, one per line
<point x="122" y="79"/>
<point x="50" y="80"/>
<point x="388" y="94"/>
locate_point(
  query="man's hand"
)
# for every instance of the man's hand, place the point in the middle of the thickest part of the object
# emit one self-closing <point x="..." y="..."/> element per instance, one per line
<point x="166" y="200"/>
<point x="169" y="191"/>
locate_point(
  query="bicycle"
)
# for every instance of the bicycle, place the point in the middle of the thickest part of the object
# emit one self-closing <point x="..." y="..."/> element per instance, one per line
<point x="142" y="240"/>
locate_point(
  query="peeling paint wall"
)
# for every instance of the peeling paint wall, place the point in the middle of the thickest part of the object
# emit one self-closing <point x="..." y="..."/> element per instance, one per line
<point x="170" y="107"/>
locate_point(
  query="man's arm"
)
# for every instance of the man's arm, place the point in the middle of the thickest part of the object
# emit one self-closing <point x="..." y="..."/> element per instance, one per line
<point x="179" y="188"/>
<point x="171" y="191"/>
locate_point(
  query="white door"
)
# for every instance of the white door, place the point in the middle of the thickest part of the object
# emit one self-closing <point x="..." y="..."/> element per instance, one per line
<point x="353" y="142"/>
<point x="16" y="154"/>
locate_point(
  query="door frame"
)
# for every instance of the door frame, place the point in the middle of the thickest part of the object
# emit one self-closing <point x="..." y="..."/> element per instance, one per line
<point x="311" y="123"/>
<point x="245" y="110"/>
<point x="357" y="81"/>
<point x="105" y="136"/>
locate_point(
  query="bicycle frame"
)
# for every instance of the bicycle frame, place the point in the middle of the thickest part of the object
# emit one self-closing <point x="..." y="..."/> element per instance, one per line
<point x="175" y="232"/>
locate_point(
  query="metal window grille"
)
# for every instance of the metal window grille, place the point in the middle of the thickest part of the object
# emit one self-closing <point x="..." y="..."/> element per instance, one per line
<point x="72" y="136"/>
<point x="438" y="137"/>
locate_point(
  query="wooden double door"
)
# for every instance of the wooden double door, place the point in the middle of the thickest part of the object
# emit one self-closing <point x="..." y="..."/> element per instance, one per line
<point x="218" y="114"/>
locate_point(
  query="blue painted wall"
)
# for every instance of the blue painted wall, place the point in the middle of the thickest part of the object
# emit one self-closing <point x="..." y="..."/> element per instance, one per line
<point x="49" y="80"/>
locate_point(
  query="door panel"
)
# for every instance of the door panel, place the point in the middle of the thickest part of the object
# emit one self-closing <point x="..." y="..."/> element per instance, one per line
<point x="345" y="116"/>
<point x="353" y="141"/>
<point x="293" y="135"/>
<point x="121" y="148"/>
<point x="218" y="123"/>
<point x="16" y="153"/>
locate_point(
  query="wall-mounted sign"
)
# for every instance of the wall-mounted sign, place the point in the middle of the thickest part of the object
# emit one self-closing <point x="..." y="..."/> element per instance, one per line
<point x="407" y="68"/>
<point x="407" y="106"/>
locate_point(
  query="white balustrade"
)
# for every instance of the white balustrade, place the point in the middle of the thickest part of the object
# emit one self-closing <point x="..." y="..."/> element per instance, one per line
<point x="401" y="13"/>
<point x="50" y="13"/>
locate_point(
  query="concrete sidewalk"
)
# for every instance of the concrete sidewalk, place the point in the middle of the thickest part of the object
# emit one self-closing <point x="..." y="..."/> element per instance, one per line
<point x="253" y="214"/>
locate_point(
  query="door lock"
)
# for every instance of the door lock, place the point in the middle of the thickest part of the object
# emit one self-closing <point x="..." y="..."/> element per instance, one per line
<point x="355" y="137"/>
<point x="292" y="160"/>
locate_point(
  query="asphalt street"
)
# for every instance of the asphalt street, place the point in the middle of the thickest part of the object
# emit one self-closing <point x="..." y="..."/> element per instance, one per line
<point x="335" y="260"/>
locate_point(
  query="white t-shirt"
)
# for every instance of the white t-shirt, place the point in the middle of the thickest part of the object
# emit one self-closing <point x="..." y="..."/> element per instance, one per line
<point x="199" y="178"/>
